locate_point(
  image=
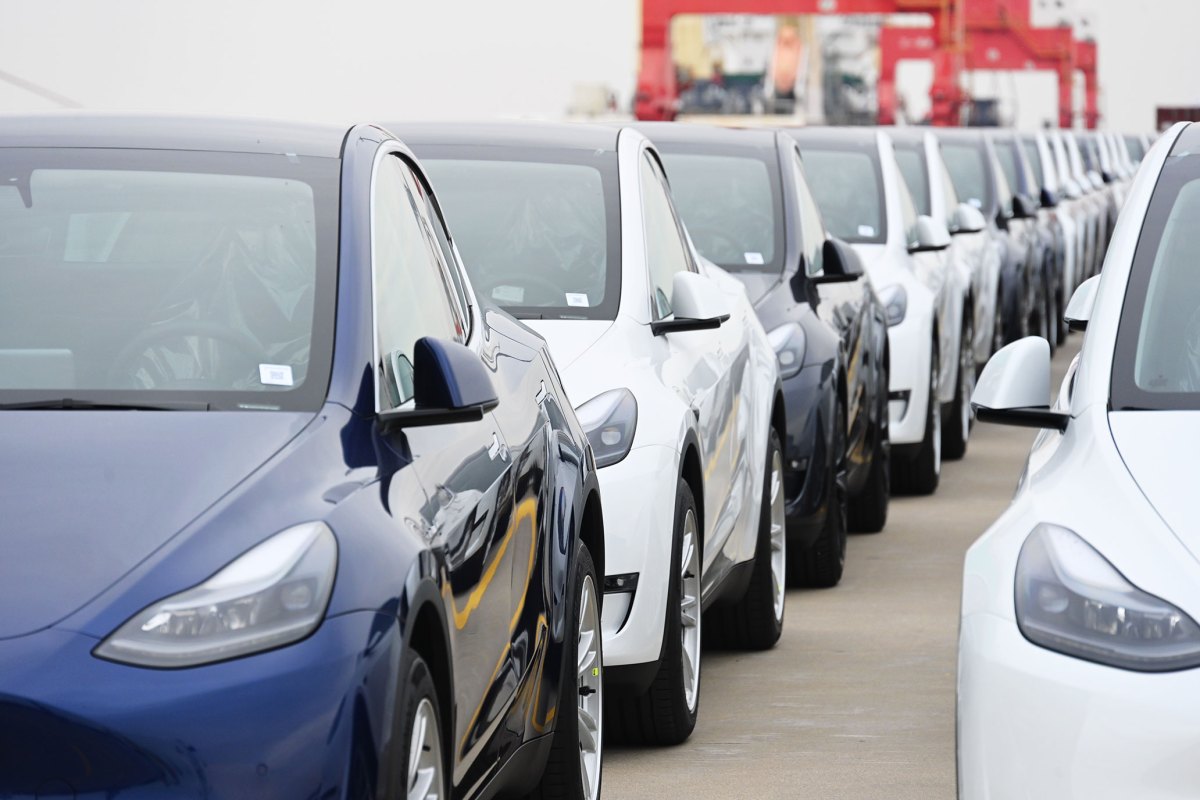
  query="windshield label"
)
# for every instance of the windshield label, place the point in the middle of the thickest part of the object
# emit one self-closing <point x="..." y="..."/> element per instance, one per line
<point x="508" y="294"/>
<point x="275" y="374"/>
<point x="754" y="258"/>
<point x="577" y="300"/>
<point x="866" y="230"/>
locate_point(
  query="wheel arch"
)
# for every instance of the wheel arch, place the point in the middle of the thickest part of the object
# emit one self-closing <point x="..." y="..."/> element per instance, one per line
<point x="691" y="471"/>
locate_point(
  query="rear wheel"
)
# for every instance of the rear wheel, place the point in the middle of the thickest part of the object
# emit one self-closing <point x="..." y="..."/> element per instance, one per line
<point x="573" y="768"/>
<point x="822" y="563"/>
<point x="958" y="423"/>
<point x="756" y="621"/>
<point x="921" y="473"/>
<point x="666" y="713"/>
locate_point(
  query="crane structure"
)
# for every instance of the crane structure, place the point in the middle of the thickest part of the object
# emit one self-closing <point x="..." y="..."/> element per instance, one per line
<point x="998" y="36"/>
<point x="963" y="33"/>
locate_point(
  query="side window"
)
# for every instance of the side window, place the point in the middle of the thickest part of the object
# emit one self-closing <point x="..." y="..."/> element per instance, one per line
<point x="1003" y="190"/>
<point x="412" y="298"/>
<point x="666" y="253"/>
<point x="908" y="212"/>
<point x="812" y="229"/>
<point x="948" y="190"/>
<point x="440" y="245"/>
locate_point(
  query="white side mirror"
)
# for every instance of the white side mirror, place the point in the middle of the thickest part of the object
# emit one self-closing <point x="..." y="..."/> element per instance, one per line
<point x="929" y="234"/>
<point x="1083" y="300"/>
<point x="697" y="304"/>
<point x="1014" y="388"/>
<point x="968" y="219"/>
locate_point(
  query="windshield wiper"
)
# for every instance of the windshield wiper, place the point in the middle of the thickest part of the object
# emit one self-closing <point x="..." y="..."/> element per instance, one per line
<point x="67" y="404"/>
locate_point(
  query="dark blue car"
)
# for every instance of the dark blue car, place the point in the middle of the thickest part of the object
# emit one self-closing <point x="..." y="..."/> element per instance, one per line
<point x="287" y="513"/>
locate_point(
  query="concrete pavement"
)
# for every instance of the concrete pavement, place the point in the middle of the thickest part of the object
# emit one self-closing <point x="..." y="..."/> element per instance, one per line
<point x="857" y="699"/>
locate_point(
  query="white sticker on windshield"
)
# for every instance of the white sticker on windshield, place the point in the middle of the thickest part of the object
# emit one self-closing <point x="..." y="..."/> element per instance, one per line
<point x="275" y="375"/>
<point x="508" y="294"/>
<point x="753" y="258"/>
<point x="577" y="300"/>
<point x="866" y="230"/>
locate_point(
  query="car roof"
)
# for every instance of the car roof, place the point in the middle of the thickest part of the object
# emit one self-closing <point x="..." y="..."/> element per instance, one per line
<point x="860" y="135"/>
<point x="907" y="133"/>
<point x="690" y="133"/>
<point x="169" y="132"/>
<point x="563" y="135"/>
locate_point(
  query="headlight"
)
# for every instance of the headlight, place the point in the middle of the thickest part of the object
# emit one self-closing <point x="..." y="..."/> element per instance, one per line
<point x="609" y="420"/>
<point x="895" y="303"/>
<point x="788" y="342"/>
<point x="1071" y="600"/>
<point x="272" y="595"/>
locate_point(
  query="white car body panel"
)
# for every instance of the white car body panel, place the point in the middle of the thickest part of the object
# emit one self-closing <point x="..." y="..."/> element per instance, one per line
<point x="1036" y="723"/>
<point x="685" y="384"/>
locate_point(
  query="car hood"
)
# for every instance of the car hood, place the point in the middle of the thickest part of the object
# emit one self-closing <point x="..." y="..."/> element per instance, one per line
<point x="1158" y="448"/>
<point x="758" y="284"/>
<point x="86" y="495"/>
<point x="569" y="339"/>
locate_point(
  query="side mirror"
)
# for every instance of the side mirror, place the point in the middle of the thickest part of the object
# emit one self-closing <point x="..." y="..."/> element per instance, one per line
<point x="697" y="302"/>
<point x="450" y="384"/>
<point x="1073" y="190"/>
<point x="1014" y="388"/>
<point x="840" y="263"/>
<point x="1048" y="198"/>
<point x="1096" y="178"/>
<point x="1083" y="300"/>
<point x="968" y="219"/>
<point x="928" y="235"/>
<point x="1021" y="206"/>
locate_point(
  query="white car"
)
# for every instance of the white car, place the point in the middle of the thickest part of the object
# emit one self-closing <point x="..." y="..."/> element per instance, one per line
<point x="572" y="229"/>
<point x="864" y="200"/>
<point x="1079" y="648"/>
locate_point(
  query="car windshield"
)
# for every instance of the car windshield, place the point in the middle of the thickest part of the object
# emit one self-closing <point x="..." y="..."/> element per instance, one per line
<point x="1136" y="150"/>
<point x="967" y="170"/>
<point x="1157" y="363"/>
<point x="539" y="230"/>
<point x="1035" y="161"/>
<point x="136" y="277"/>
<point x="1006" y="153"/>
<point x="848" y="187"/>
<point x="731" y="206"/>
<point x="911" y="159"/>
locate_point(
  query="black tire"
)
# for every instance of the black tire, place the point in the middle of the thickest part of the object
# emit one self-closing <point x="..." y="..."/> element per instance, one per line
<point x="921" y="473"/>
<point x="867" y="513"/>
<point x="821" y="564"/>
<point x="998" y="338"/>
<point x="563" y="778"/>
<point x="751" y="623"/>
<point x="956" y="429"/>
<point x="661" y="716"/>
<point x="418" y="687"/>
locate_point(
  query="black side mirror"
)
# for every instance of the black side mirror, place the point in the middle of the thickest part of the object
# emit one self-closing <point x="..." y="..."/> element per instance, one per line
<point x="1049" y="198"/>
<point x="450" y="384"/>
<point x="839" y="263"/>
<point x="1021" y="207"/>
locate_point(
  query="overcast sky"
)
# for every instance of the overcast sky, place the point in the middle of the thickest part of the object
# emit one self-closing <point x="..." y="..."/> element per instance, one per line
<point x="395" y="59"/>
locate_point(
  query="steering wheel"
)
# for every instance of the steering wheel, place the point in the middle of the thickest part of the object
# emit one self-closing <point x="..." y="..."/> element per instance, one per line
<point x="244" y="342"/>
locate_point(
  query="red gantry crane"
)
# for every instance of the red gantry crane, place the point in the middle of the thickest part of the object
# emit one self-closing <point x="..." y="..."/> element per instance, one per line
<point x="974" y="34"/>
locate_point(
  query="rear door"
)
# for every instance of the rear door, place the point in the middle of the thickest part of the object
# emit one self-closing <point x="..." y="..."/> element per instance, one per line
<point x="464" y="469"/>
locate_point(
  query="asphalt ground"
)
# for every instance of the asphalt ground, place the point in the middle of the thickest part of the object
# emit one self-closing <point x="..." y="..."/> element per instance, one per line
<point x="856" y="702"/>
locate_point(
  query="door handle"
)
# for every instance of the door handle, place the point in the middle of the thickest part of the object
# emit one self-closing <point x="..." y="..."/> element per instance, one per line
<point x="497" y="449"/>
<point x="541" y="393"/>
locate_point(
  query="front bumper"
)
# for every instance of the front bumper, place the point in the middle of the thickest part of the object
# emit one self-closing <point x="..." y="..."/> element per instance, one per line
<point x="908" y="382"/>
<point x="1034" y="723"/>
<point x="280" y="724"/>
<point x="638" y="499"/>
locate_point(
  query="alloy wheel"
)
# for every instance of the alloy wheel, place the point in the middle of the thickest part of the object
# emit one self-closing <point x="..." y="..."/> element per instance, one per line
<point x="778" y="535"/>
<point x="689" y="609"/>
<point x="935" y="413"/>
<point x="425" y="765"/>
<point x="590" y="678"/>
<point x="966" y="377"/>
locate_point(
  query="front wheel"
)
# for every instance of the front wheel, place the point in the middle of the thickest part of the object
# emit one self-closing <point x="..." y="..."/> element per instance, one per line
<point x="425" y="767"/>
<point x="957" y="429"/>
<point x="822" y="563"/>
<point x="573" y="768"/>
<point x="666" y="713"/>
<point x="868" y="512"/>
<point x="756" y="621"/>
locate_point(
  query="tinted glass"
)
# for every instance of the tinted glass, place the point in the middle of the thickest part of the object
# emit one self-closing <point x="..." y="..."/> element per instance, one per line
<point x="150" y="276"/>
<point x="666" y="253"/>
<point x="1157" y="363"/>
<point x="849" y="190"/>
<point x="967" y="170"/>
<point x="1136" y="150"/>
<point x="912" y="166"/>
<point x="539" y="231"/>
<point x="412" y="288"/>
<point x="731" y="206"/>
<point x="812" y="227"/>
<point x="948" y="189"/>
<point x="1035" y="161"/>
<point x="1006" y="153"/>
